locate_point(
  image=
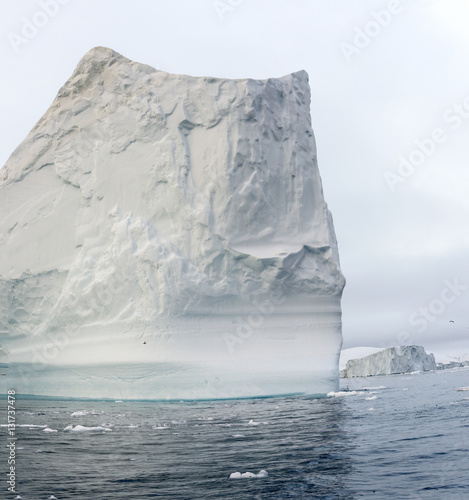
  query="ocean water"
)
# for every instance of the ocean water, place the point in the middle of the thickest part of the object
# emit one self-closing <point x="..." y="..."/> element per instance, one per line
<point x="396" y="437"/>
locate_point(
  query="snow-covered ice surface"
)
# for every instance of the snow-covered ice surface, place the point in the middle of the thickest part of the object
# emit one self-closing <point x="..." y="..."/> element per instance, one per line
<point x="356" y="353"/>
<point x="392" y="360"/>
<point x="166" y="237"/>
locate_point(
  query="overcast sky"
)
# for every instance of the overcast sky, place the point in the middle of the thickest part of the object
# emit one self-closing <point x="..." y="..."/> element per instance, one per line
<point x="390" y="111"/>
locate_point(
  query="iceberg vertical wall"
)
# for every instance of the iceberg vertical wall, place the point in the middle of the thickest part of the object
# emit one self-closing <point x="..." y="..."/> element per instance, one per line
<point x="166" y="237"/>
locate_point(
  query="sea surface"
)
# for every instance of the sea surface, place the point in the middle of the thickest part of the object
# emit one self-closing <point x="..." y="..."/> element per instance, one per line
<point x="391" y="437"/>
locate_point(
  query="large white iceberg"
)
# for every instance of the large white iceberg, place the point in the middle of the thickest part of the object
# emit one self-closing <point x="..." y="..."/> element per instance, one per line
<point x="165" y="236"/>
<point x="392" y="360"/>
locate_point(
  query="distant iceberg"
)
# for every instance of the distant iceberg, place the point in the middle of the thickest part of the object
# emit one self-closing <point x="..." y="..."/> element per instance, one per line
<point x="166" y="237"/>
<point x="392" y="360"/>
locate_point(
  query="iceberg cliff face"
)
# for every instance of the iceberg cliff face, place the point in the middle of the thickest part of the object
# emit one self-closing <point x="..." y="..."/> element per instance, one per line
<point x="165" y="236"/>
<point x="401" y="359"/>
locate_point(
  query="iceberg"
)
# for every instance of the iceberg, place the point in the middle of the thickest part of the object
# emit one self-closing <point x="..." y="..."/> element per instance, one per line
<point x="166" y="237"/>
<point x="392" y="360"/>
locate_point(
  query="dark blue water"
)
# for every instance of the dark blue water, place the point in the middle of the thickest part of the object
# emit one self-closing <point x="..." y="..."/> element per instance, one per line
<point x="411" y="440"/>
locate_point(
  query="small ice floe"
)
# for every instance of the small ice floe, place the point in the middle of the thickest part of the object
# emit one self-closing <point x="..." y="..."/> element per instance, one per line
<point x="343" y="393"/>
<point x="463" y="389"/>
<point x="81" y="413"/>
<point x="238" y="435"/>
<point x="371" y="409"/>
<point x="82" y="428"/>
<point x="371" y="398"/>
<point x="132" y="426"/>
<point x="251" y="422"/>
<point x="161" y="427"/>
<point x="52" y="497"/>
<point x="238" y="475"/>
<point x="18" y="498"/>
<point x="118" y="401"/>
<point x="47" y="429"/>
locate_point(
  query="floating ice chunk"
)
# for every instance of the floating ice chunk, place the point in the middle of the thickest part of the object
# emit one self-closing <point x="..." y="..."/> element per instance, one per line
<point x="68" y="428"/>
<point x="52" y="497"/>
<point x="238" y="435"/>
<point x="463" y="389"/>
<point x="160" y="427"/>
<point x="82" y="428"/>
<point x="18" y="498"/>
<point x="371" y="409"/>
<point x="251" y="422"/>
<point x="118" y="401"/>
<point x="49" y="430"/>
<point x="371" y="398"/>
<point x="81" y="413"/>
<point x="344" y="393"/>
<point x="238" y="475"/>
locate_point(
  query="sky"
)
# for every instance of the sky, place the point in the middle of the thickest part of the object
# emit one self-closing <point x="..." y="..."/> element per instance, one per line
<point x="390" y="113"/>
